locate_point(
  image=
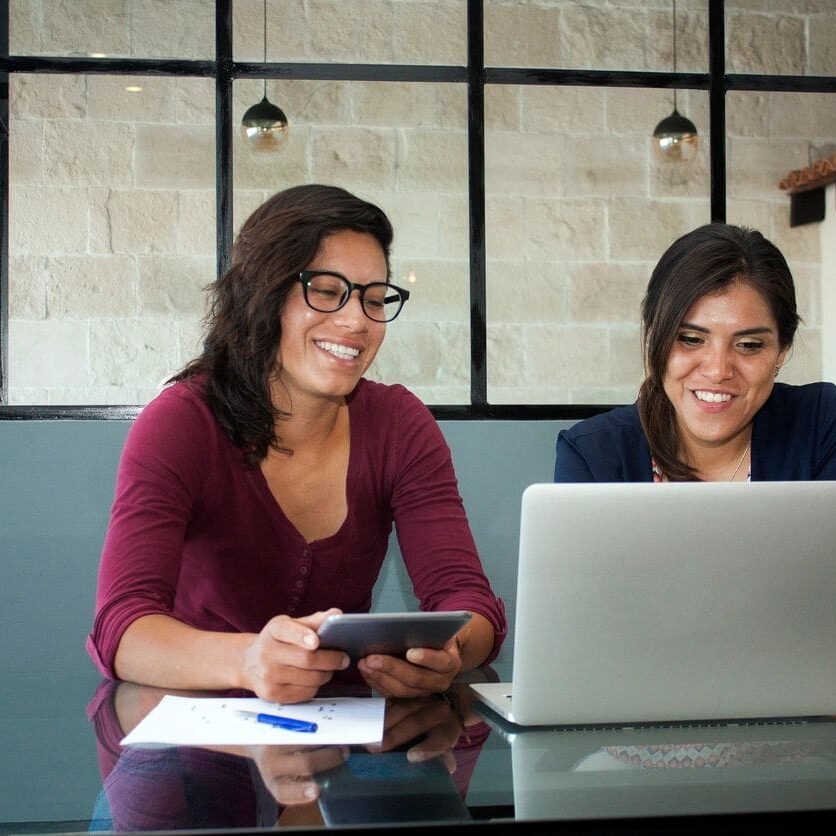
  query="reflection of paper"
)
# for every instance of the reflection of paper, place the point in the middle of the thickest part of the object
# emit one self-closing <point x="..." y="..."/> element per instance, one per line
<point x="184" y="721"/>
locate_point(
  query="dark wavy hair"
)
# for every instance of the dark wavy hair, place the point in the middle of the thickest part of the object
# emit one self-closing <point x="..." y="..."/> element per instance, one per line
<point x="239" y="359"/>
<point x="704" y="261"/>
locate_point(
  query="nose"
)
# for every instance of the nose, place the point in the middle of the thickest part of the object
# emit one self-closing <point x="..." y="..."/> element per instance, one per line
<point x="351" y="313"/>
<point x="717" y="364"/>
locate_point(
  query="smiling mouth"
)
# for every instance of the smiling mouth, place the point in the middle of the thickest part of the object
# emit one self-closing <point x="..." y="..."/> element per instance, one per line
<point x="712" y="397"/>
<point x="342" y="352"/>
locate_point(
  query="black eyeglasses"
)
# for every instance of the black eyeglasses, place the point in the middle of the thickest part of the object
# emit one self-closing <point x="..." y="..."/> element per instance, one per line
<point x="328" y="292"/>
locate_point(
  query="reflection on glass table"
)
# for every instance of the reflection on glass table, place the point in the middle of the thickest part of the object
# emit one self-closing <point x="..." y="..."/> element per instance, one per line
<point x="419" y="772"/>
<point x="673" y="770"/>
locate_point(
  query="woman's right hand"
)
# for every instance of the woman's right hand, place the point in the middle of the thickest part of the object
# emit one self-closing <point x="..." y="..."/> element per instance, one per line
<point x="284" y="663"/>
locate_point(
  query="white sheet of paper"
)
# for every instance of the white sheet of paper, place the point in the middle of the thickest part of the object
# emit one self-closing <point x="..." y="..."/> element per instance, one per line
<point x="211" y="721"/>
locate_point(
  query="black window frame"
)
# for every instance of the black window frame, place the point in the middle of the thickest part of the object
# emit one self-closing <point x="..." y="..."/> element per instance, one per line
<point x="225" y="70"/>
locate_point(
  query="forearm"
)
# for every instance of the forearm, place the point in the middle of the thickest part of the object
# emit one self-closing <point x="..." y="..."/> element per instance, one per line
<point x="160" y="650"/>
<point x="475" y="642"/>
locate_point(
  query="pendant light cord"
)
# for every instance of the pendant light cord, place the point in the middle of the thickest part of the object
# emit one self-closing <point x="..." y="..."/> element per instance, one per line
<point x="265" y="44"/>
<point x="674" y="47"/>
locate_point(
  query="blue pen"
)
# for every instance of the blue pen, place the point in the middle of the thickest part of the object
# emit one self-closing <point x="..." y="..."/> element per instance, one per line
<point x="286" y="723"/>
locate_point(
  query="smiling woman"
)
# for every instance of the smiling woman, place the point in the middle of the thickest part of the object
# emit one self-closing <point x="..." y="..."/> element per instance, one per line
<point x="719" y="318"/>
<point x="256" y="494"/>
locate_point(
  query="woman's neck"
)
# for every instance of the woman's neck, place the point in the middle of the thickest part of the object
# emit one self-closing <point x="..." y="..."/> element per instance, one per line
<point x="728" y="462"/>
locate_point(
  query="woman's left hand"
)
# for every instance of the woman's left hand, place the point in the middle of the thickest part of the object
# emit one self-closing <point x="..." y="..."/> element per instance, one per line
<point x="423" y="672"/>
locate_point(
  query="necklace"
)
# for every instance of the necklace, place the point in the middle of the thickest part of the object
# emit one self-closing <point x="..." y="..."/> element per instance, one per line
<point x="740" y="463"/>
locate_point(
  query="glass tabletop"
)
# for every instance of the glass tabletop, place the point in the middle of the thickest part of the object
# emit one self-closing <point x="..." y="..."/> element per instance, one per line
<point x="442" y="763"/>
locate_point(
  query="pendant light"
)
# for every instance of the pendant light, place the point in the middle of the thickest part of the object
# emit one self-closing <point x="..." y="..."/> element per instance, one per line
<point x="675" y="137"/>
<point x="264" y="125"/>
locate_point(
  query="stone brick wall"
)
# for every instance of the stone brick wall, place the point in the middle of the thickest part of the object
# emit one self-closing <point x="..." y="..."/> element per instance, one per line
<point x="112" y="200"/>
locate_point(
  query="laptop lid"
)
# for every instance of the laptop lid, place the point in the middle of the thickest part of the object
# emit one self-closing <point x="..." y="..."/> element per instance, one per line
<point x="688" y="601"/>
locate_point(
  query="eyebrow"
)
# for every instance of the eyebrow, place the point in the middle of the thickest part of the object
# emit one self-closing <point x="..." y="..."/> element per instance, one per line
<point x="689" y="326"/>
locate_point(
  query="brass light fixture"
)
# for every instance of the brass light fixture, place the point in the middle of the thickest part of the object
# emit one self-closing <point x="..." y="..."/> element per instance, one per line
<point x="264" y="125"/>
<point x="675" y="138"/>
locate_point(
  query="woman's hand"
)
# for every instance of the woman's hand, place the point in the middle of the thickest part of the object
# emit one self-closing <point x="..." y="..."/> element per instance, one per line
<point x="284" y="662"/>
<point x="423" y="672"/>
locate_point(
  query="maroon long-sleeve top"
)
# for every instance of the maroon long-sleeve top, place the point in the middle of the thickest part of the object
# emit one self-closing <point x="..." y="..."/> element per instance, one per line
<point x="196" y="534"/>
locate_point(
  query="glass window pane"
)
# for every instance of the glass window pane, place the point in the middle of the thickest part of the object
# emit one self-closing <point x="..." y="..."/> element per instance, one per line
<point x="404" y="147"/>
<point x="367" y="32"/>
<point x="596" y="34"/>
<point x="793" y="37"/>
<point x="113" y="28"/>
<point x="578" y="212"/>
<point x="771" y="134"/>
<point x="112" y="234"/>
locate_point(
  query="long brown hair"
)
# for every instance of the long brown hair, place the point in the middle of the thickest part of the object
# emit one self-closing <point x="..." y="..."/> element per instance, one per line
<point x="703" y="261"/>
<point x="239" y="356"/>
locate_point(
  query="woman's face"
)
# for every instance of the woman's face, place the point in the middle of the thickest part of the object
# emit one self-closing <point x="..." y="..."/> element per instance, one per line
<point x="325" y="354"/>
<point x="722" y="366"/>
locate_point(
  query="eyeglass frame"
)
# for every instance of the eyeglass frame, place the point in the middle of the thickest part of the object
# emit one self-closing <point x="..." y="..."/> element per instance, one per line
<point x="305" y="277"/>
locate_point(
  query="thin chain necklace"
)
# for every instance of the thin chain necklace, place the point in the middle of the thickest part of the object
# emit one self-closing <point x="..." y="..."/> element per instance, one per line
<point x="740" y="463"/>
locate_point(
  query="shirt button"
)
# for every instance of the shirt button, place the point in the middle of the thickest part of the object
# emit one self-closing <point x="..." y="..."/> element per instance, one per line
<point x="299" y="584"/>
<point x="306" y="552"/>
<point x="303" y="570"/>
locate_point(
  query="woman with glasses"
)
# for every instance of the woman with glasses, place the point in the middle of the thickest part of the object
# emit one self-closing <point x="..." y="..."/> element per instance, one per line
<point x="719" y="319"/>
<point x="256" y="493"/>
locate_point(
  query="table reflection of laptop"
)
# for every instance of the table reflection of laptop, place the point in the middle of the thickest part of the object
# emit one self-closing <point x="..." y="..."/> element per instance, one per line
<point x="665" y="602"/>
<point x="673" y="770"/>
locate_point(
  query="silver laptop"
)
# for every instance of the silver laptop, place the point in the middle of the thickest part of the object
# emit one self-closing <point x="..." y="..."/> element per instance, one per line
<point x="673" y="602"/>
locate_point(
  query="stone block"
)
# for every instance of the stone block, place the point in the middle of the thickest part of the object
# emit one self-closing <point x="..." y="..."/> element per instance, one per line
<point x="528" y="164"/>
<point x="132" y="352"/>
<point x="503" y="107"/>
<point x="600" y="166"/>
<point x="413" y="354"/>
<point x="506" y="355"/>
<point x="31" y="395"/>
<point x="603" y="395"/>
<point x="86" y="153"/>
<point x="307" y="102"/>
<point x="626" y="362"/>
<point x="526" y="291"/>
<point x="196" y="233"/>
<point x="766" y="44"/>
<point x="429" y="395"/>
<point x="99" y="395"/>
<point x="808" y="290"/>
<point x="353" y="157"/>
<point x="47" y="96"/>
<point x="26" y="141"/>
<point x="505" y="233"/>
<point x="272" y="171"/>
<point x="174" y="284"/>
<point x="440" y="291"/>
<point x="747" y="113"/>
<point x="635" y="112"/>
<point x="567" y="355"/>
<point x="569" y="110"/>
<point x="173" y="29"/>
<point x="136" y="221"/>
<point x="810" y="116"/>
<point x="522" y="35"/>
<point x="565" y="230"/>
<point x="194" y="100"/>
<point x="173" y="157"/>
<point x="24" y="28"/>
<point x="86" y="26"/>
<point x="799" y="244"/>
<point x="430" y="32"/>
<point x="454" y="226"/>
<point x="756" y="166"/>
<point x="190" y="336"/>
<point x="109" y="100"/>
<point x="244" y="203"/>
<point x="409" y="105"/>
<point x="756" y="214"/>
<point x="415" y="219"/>
<point x="357" y="32"/>
<point x="604" y="38"/>
<point x="27" y="287"/>
<point x="804" y="365"/>
<point x="641" y="230"/>
<point x="47" y="353"/>
<point x="607" y="292"/>
<point x="44" y="220"/>
<point x="691" y="39"/>
<point x="822" y="57"/>
<point x="676" y="179"/>
<point x="526" y="394"/>
<point x="85" y="286"/>
<point x="430" y="160"/>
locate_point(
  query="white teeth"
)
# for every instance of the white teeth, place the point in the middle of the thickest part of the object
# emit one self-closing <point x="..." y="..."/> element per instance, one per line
<point x="341" y="351"/>
<point x="712" y="397"/>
